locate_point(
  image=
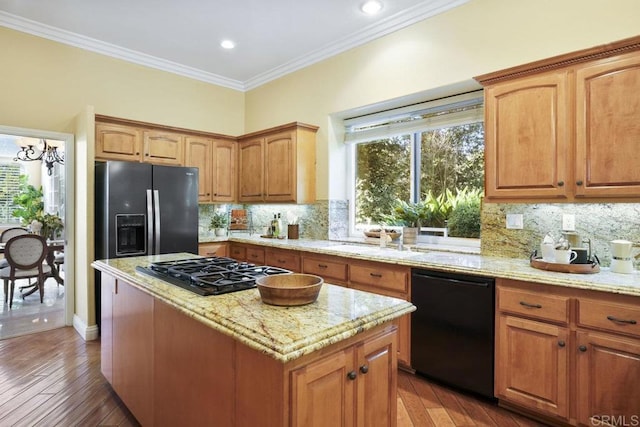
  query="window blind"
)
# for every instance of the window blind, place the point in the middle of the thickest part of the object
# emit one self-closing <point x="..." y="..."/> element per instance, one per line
<point x="444" y="112"/>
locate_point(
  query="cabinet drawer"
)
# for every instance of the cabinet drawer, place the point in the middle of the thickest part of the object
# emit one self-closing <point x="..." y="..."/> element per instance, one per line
<point x="212" y="249"/>
<point x="288" y="260"/>
<point x="381" y="276"/>
<point x="238" y="252"/>
<point x="255" y="255"/>
<point x="548" y="307"/>
<point x="326" y="268"/>
<point x="621" y="318"/>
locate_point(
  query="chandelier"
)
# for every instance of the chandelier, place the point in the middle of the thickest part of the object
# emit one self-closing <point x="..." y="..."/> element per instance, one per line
<point x="32" y="149"/>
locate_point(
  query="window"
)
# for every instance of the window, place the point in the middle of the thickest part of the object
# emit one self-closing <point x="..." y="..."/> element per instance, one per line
<point x="431" y="154"/>
<point x="9" y="181"/>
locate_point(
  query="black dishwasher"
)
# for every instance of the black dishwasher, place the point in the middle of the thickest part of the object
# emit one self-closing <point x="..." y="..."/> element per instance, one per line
<point x="452" y="330"/>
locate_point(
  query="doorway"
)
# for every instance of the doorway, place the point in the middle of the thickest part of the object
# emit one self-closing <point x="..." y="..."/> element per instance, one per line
<point x="54" y="185"/>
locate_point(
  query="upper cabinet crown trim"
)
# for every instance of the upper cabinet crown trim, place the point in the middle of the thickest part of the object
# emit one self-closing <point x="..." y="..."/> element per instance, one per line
<point x="561" y="61"/>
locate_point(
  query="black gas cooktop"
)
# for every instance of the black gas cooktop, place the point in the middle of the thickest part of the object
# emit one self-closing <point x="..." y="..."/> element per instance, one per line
<point x="210" y="276"/>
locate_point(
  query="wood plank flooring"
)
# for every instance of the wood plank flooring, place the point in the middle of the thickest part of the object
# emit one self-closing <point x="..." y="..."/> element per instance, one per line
<point x="53" y="379"/>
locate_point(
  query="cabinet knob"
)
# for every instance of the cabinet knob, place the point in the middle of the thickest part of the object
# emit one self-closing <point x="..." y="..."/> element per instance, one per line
<point x="352" y="375"/>
<point x="137" y="153"/>
<point x="364" y="369"/>
<point x="579" y="182"/>
<point x="560" y="183"/>
<point x="582" y="348"/>
<point x="561" y="343"/>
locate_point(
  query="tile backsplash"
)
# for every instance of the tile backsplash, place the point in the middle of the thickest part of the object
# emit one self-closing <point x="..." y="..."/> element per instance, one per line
<point x="600" y="222"/>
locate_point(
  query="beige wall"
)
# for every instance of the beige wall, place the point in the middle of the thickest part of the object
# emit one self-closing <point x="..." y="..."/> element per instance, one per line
<point x="45" y="84"/>
<point x="446" y="50"/>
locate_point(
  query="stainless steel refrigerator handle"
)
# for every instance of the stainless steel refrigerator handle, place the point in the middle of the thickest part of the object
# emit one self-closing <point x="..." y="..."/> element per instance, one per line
<point x="149" y="247"/>
<point x="156" y="210"/>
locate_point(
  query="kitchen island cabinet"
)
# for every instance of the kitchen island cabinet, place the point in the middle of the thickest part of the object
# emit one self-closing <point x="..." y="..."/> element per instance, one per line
<point x="253" y="360"/>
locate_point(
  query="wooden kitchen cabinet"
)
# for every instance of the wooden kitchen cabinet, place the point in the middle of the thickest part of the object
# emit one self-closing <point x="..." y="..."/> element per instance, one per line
<point x="390" y="280"/>
<point x="527" y="137"/>
<point x="163" y="148"/>
<point x="565" y="128"/>
<point x="331" y="268"/>
<point x="215" y="160"/>
<point x="352" y="387"/>
<point x="118" y="142"/>
<point x="287" y="259"/>
<point x="278" y="165"/>
<point x="570" y="355"/>
<point x="608" y="361"/>
<point x="126" y="346"/>
<point x="213" y="249"/>
<point x="532" y="349"/>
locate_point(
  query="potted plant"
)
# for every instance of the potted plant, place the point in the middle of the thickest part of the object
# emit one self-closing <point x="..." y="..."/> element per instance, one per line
<point x="219" y="222"/>
<point x="411" y="216"/>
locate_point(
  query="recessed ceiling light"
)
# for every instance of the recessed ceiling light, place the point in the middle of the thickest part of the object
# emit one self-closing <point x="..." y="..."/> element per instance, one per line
<point x="371" y="7"/>
<point x="227" y="44"/>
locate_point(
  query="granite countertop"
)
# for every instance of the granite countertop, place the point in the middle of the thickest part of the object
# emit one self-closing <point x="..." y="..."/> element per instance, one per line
<point x="508" y="268"/>
<point x="284" y="333"/>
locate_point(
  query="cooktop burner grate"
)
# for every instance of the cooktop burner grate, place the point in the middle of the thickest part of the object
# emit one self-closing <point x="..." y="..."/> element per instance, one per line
<point x="210" y="276"/>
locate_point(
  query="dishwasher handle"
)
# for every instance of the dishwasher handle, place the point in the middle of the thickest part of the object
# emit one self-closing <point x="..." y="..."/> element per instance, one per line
<point x="482" y="284"/>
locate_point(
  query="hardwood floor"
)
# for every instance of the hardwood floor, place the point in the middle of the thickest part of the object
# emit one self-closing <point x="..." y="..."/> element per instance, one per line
<point x="54" y="379"/>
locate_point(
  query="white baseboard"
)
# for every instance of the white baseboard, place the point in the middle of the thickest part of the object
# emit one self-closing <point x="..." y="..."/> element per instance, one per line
<point x="88" y="333"/>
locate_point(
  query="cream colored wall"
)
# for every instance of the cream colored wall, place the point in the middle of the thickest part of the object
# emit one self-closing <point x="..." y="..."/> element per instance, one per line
<point x="45" y="84"/>
<point x="447" y="50"/>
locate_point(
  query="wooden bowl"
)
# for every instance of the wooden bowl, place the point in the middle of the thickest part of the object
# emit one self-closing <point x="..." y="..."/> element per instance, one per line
<point x="289" y="289"/>
<point x="376" y="234"/>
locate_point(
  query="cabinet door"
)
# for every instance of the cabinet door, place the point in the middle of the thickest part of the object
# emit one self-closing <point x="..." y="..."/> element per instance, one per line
<point x="117" y="142"/>
<point x="107" y="291"/>
<point x="280" y="167"/>
<point x="163" y="148"/>
<point x="323" y="392"/>
<point x="224" y="171"/>
<point x="133" y="350"/>
<point x="527" y="138"/>
<point x="212" y="249"/>
<point x="377" y="376"/>
<point x="250" y="170"/>
<point x="608" y="379"/>
<point x="608" y="129"/>
<point x="532" y="365"/>
<point x="198" y="155"/>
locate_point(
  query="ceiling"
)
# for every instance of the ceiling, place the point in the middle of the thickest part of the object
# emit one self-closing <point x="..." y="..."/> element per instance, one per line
<point x="273" y="37"/>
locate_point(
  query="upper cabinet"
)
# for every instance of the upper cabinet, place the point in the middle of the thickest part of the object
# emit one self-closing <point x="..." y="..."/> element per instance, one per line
<point x="566" y="128"/>
<point x="215" y="160"/>
<point x="278" y="165"/>
<point x="131" y="143"/>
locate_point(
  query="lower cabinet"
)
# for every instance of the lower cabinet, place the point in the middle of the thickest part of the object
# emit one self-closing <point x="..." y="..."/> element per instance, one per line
<point x="354" y="386"/>
<point x="570" y="355"/>
<point x="287" y="259"/>
<point x="127" y="345"/>
<point x="213" y="249"/>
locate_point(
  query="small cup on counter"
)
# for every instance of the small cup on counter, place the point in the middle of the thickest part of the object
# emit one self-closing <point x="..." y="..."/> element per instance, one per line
<point x="547" y="250"/>
<point x="564" y="256"/>
<point x="582" y="256"/>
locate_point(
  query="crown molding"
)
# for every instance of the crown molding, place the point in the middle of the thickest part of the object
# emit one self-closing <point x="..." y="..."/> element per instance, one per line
<point x="69" y="38"/>
<point x="381" y="28"/>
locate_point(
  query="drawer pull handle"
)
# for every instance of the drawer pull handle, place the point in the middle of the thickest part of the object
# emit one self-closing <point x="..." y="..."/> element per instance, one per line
<point x="352" y="375"/>
<point x="526" y="304"/>
<point x="615" y="319"/>
<point x="322" y="266"/>
<point x="375" y="274"/>
<point x="364" y="369"/>
<point x="561" y="343"/>
<point x="582" y="348"/>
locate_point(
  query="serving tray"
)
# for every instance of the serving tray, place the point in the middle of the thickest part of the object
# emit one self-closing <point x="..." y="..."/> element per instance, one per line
<point x="592" y="267"/>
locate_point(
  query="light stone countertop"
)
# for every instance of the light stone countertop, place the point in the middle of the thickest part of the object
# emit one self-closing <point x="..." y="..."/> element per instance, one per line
<point x="508" y="268"/>
<point x="284" y="333"/>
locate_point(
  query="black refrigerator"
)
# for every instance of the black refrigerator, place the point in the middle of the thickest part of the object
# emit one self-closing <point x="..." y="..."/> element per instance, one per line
<point x="144" y="209"/>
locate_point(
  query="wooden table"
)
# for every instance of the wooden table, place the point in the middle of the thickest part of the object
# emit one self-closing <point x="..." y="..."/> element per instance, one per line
<point x="52" y="247"/>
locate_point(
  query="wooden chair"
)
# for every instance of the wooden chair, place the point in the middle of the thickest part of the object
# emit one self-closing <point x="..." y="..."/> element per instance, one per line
<point x="25" y="255"/>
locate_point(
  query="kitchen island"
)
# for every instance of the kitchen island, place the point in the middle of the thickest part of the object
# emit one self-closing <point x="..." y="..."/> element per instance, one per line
<point x="177" y="358"/>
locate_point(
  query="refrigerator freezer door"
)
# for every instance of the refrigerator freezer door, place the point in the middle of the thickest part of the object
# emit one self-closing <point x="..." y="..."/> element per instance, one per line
<point x="177" y="217"/>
